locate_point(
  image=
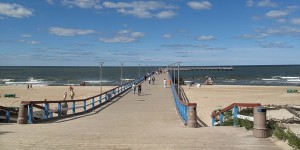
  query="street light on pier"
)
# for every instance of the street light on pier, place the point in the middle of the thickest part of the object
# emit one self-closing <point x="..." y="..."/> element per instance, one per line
<point x="178" y="77"/>
<point x="122" y="73"/>
<point x="139" y="70"/>
<point x="101" y="63"/>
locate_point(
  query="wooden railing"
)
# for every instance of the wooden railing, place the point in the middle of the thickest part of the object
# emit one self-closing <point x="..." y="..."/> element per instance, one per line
<point x="183" y="106"/>
<point x="233" y="106"/>
<point x="9" y="112"/>
<point x="62" y="110"/>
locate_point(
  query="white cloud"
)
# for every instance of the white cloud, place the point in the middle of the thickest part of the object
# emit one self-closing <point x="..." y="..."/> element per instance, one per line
<point x="29" y="42"/>
<point x="281" y="31"/>
<point x="295" y="21"/>
<point x="143" y="9"/>
<point x="275" y="14"/>
<point x="14" y="10"/>
<point x="26" y="35"/>
<point x="206" y="38"/>
<point x="123" y="36"/>
<point x="249" y="3"/>
<point x="276" y="45"/>
<point x="199" y="5"/>
<point x="69" y="32"/>
<point x="250" y="36"/>
<point x="266" y="3"/>
<point x="50" y="2"/>
<point x="166" y="14"/>
<point x="167" y="36"/>
<point x="281" y="20"/>
<point x="82" y="3"/>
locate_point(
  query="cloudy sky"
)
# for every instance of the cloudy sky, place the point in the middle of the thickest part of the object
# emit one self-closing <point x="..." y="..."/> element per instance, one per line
<point x="158" y="32"/>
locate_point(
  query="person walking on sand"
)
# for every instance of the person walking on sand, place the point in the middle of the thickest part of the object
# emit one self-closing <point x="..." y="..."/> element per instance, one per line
<point x="153" y="79"/>
<point x="165" y="83"/>
<point x="134" y="88"/>
<point x="72" y="95"/>
<point x="149" y="80"/>
<point x="65" y="95"/>
<point x="139" y="89"/>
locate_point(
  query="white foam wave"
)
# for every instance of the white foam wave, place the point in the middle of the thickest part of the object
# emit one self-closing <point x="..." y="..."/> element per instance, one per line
<point x="264" y="79"/>
<point x="97" y="81"/>
<point x="289" y="77"/>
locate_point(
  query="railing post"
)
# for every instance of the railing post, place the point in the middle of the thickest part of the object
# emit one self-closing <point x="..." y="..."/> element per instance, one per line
<point x="212" y="121"/>
<point x="46" y="110"/>
<point x="235" y="113"/>
<point x="23" y="114"/>
<point x="84" y="105"/>
<point x="7" y="116"/>
<point x="73" y="107"/>
<point x="93" y="100"/>
<point x="192" y="115"/>
<point x="51" y="115"/>
<point x="221" y="118"/>
<point x="30" y="113"/>
<point x="59" y="110"/>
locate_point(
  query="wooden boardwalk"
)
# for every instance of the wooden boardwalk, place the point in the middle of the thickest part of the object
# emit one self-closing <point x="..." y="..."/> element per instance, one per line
<point x="148" y="121"/>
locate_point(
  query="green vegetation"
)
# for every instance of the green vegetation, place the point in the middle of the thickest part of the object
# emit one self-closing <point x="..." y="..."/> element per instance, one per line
<point x="279" y="131"/>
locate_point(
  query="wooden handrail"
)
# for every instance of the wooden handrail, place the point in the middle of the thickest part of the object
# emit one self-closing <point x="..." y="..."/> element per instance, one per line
<point x="214" y="114"/>
<point x="9" y="109"/>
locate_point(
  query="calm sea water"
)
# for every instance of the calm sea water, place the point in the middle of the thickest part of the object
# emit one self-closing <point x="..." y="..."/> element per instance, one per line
<point x="241" y="75"/>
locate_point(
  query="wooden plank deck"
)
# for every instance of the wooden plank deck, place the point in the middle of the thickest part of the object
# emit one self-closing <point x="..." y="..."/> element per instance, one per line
<point x="148" y="121"/>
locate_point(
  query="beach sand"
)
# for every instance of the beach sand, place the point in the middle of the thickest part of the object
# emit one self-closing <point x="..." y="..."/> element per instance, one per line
<point x="40" y="93"/>
<point x="210" y="98"/>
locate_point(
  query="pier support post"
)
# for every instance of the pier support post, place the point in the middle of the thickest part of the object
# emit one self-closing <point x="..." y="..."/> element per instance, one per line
<point x="221" y="118"/>
<point x="23" y="112"/>
<point x="235" y="113"/>
<point x="192" y="115"/>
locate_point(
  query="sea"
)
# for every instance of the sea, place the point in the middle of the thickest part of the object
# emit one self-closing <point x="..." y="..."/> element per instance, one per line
<point x="267" y="75"/>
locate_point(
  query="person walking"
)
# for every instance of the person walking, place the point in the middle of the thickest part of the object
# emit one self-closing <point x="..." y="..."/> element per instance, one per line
<point x="153" y="79"/>
<point x="65" y="95"/>
<point x="139" y="89"/>
<point x="165" y="83"/>
<point x="149" y="80"/>
<point x="134" y="88"/>
<point x="72" y="95"/>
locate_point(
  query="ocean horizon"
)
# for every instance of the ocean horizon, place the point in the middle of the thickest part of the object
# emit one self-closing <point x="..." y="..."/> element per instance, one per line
<point x="270" y="75"/>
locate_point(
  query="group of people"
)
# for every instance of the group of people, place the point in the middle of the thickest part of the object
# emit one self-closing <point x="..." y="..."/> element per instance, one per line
<point x="29" y="86"/>
<point x="151" y="78"/>
<point x="72" y="94"/>
<point x="139" y="87"/>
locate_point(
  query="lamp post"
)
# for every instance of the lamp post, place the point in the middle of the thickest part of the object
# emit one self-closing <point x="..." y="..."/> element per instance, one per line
<point x="101" y="63"/>
<point x="139" y="70"/>
<point x="122" y="73"/>
<point x="178" y="78"/>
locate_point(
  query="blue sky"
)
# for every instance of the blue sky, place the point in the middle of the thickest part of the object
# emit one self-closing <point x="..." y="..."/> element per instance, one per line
<point x="158" y="32"/>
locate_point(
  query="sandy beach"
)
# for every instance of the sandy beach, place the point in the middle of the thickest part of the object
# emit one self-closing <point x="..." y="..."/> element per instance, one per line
<point x="209" y="98"/>
<point x="38" y="93"/>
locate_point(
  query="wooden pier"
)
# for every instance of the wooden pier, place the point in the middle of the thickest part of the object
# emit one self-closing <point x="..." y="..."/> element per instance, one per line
<point x="203" y="68"/>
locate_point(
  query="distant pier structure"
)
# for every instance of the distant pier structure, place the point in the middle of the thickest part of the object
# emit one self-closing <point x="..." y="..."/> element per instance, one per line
<point x="222" y="68"/>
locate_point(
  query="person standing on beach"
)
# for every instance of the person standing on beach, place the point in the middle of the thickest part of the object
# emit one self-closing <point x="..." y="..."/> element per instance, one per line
<point x="72" y="95"/>
<point x="139" y="89"/>
<point x="165" y="83"/>
<point x="149" y="80"/>
<point x="65" y="95"/>
<point x="134" y="88"/>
